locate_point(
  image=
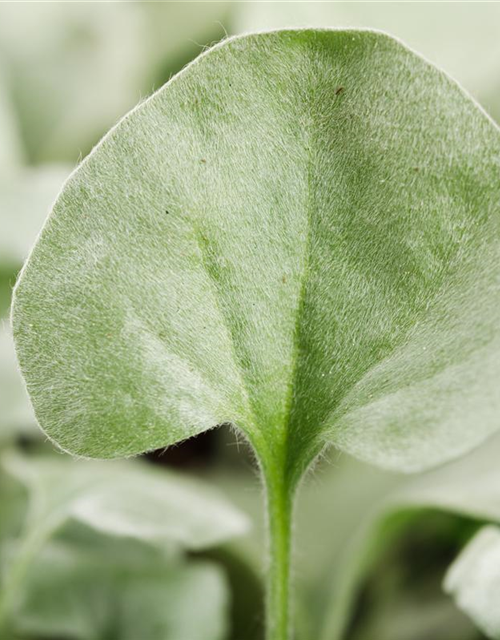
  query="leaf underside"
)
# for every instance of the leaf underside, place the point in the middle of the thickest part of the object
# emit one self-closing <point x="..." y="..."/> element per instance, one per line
<point x="298" y="235"/>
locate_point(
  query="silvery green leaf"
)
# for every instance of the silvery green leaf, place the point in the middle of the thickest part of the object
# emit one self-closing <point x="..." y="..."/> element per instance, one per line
<point x="297" y="235"/>
<point x="126" y="499"/>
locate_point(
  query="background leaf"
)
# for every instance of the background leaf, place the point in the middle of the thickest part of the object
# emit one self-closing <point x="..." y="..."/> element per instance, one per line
<point x="26" y="196"/>
<point x="474" y="580"/>
<point x="10" y="149"/>
<point x="75" y="66"/>
<point x="75" y="595"/>
<point x="128" y="500"/>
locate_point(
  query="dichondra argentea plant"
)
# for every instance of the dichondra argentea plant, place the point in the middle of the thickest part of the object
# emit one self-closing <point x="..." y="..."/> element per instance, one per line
<point x="298" y="235"/>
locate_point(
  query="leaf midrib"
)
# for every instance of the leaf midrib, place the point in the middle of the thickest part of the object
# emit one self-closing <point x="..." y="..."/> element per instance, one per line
<point x="254" y="431"/>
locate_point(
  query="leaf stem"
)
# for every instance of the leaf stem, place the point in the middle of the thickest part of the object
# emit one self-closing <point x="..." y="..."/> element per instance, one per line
<point x="279" y="524"/>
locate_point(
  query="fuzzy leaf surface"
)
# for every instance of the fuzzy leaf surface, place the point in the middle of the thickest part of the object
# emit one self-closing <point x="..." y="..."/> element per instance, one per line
<point x="299" y="235"/>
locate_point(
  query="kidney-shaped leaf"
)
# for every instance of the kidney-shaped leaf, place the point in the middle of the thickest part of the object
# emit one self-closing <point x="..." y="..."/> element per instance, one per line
<point x="298" y="234"/>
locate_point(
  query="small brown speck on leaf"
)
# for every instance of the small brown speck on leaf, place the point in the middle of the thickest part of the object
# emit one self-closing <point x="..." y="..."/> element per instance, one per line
<point x="339" y="90"/>
<point x="283" y="279"/>
<point x="203" y="161"/>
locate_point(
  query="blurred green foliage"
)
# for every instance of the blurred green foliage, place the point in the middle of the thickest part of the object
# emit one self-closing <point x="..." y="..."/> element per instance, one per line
<point x="112" y="533"/>
<point x="374" y="547"/>
<point x="73" y="69"/>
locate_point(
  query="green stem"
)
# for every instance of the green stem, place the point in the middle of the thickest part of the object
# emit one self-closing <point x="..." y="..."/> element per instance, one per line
<point x="279" y="522"/>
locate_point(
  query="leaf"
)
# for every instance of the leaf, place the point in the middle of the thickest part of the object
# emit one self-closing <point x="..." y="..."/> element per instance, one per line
<point x="147" y="617"/>
<point x="470" y="52"/>
<point x="12" y="507"/>
<point x="474" y="580"/>
<point x="297" y="235"/>
<point x="70" y="58"/>
<point x="127" y="499"/>
<point x="82" y="596"/>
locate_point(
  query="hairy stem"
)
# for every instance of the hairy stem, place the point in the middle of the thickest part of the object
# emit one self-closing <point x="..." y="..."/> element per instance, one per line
<point x="279" y="523"/>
